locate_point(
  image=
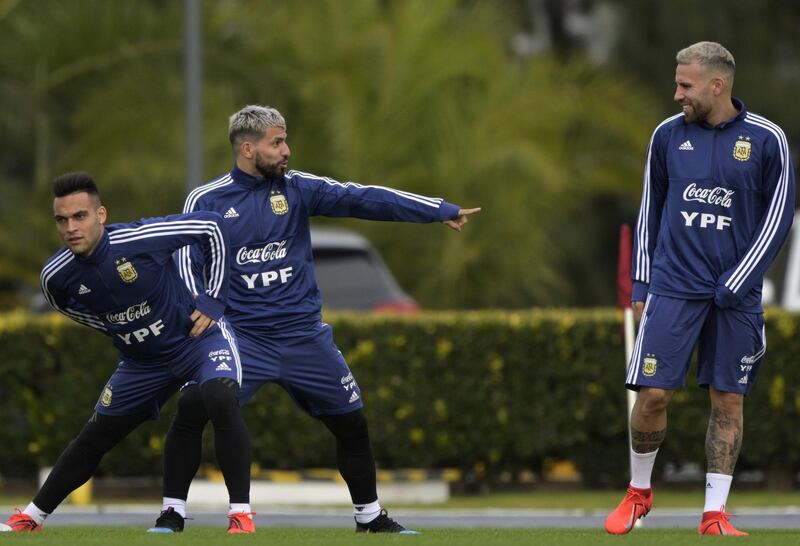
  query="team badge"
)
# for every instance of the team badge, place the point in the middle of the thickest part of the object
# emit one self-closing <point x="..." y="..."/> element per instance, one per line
<point x="126" y="270"/>
<point x="649" y="367"/>
<point x="741" y="150"/>
<point x="105" y="399"/>
<point x="278" y="203"/>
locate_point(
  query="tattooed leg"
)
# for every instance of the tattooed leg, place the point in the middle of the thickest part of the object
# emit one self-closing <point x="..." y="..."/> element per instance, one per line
<point x="646" y="442"/>
<point x="724" y="434"/>
<point x="649" y="419"/>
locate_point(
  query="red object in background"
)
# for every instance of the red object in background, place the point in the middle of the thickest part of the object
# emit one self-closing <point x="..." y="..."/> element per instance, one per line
<point x="397" y="307"/>
<point x="624" y="282"/>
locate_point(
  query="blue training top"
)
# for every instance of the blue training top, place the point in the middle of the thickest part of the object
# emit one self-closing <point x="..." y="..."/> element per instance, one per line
<point x="717" y="204"/>
<point x="129" y="288"/>
<point x="273" y="287"/>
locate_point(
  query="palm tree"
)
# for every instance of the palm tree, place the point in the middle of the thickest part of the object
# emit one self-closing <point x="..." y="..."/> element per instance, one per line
<point x="421" y="95"/>
<point x="426" y="96"/>
<point x="57" y="56"/>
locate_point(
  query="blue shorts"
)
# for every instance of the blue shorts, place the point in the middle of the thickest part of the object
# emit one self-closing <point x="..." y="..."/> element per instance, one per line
<point x="307" y="364"/>
<point x="145" y="386"/>
<point x="731" y="345"/>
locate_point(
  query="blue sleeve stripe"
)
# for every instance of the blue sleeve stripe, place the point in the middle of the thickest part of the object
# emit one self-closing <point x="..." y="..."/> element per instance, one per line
<point x="434" y="202"/>
<point x="183" y="227"/>
<point x="642" y="270"/>
<point x="50" y="269"/>
<point x="775" y="213"/>
<point x="185" y="269"/>
<point x="125" y="234"/>
<point x="184" y="254"/>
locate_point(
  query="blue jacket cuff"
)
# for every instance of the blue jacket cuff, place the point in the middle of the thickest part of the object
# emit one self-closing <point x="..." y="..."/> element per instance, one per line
<point x="724" y="298"/>
<point x="209" y="306"/>
<point x="449" y="211"/>
<point x="639" y="291"/>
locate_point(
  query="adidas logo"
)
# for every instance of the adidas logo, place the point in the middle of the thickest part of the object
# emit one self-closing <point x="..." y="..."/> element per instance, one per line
<point x="354" y="397"/>
<point x="231" y="213"/>
<point x="743" y="380"/>
<point x="686" y="146"/>
<point x="83" y="290"/>
<point x="223" y="367"/>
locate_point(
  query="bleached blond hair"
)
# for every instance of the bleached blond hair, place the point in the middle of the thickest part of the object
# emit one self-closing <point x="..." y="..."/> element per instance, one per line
<point x="252" y="122"/>
<point x="709" y="55"/>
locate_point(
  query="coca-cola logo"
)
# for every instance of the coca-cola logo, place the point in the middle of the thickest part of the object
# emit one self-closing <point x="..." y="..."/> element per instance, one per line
<point x="712" y="196"/>
<point x="270" y="251"/>
<point x="134" y="312"/>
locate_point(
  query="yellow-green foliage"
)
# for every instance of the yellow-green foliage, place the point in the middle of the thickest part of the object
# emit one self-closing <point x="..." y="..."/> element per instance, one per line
<point x="486" y="392"/>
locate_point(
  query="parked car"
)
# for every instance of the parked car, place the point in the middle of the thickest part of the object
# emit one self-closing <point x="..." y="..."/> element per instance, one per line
<point x="351" y="274"/>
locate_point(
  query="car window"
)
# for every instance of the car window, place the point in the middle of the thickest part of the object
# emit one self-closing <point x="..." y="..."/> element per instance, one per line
<point x="351" y="279"/>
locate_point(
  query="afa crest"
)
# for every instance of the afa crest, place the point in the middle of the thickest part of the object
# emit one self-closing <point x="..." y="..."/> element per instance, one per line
<point x="649" y="367"/>
<point x="126" y="270"/>
<point x="278" y="203"/>
<point x="105" y="399"/>
<point x="741" y="150"/>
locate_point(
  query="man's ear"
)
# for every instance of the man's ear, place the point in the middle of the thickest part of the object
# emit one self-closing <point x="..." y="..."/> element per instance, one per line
<point x="718" y="85"/>
<point x="102" y="214"/>
<point x="246" y="149"/>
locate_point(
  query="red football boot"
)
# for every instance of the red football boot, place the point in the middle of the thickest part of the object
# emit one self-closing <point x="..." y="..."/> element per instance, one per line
<point x="716" y="523"/>
<point x="636" y="504"/>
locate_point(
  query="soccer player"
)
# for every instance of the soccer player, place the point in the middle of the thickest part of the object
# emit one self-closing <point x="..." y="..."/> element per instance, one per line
<point x="717" y="204"/>
<point x="121" y="280"/>
<point x="274" y="305"/>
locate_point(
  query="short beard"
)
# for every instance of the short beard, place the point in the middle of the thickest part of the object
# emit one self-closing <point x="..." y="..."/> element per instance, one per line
<point x="269" y="171"/>
<point x="698" y="115"/>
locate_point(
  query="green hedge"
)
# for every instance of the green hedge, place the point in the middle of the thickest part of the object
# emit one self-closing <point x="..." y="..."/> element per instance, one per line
<point x="487" y="392"/>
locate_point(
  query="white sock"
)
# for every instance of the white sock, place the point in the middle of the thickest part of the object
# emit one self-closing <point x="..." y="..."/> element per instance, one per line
<point x="36" y="513"/>
<point x="179" y="505"/>
<point x="717" y="488"/>
<point x="642" y="468"/>
<point x="365" y="513"/>
<point x="236" y="508"/>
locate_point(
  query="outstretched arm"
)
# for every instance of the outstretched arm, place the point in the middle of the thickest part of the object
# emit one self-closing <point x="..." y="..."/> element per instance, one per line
<point x="327" y="197"/>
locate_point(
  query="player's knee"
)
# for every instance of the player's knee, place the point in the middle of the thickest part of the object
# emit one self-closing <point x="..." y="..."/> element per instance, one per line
<point x="191" y="406"/>
<point x="191" y="416"/>
<point x="728" y="402"/>
<point x="652" y="401"/>
<point x="93" y="443"/>
<point x="348" y="427"/>
<point x="220" y="396"/>
<point x="103" y="432"/>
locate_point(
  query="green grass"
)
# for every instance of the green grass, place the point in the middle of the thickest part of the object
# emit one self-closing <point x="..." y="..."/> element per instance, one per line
<point x="601" y="500"/>
<point x="89" y="536"/>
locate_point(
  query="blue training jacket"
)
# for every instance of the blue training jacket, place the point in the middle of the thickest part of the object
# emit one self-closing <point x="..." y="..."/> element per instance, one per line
<point x="717" y="204"/>
<point x="129" y="288"/>
<point x="273" y="287"/>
